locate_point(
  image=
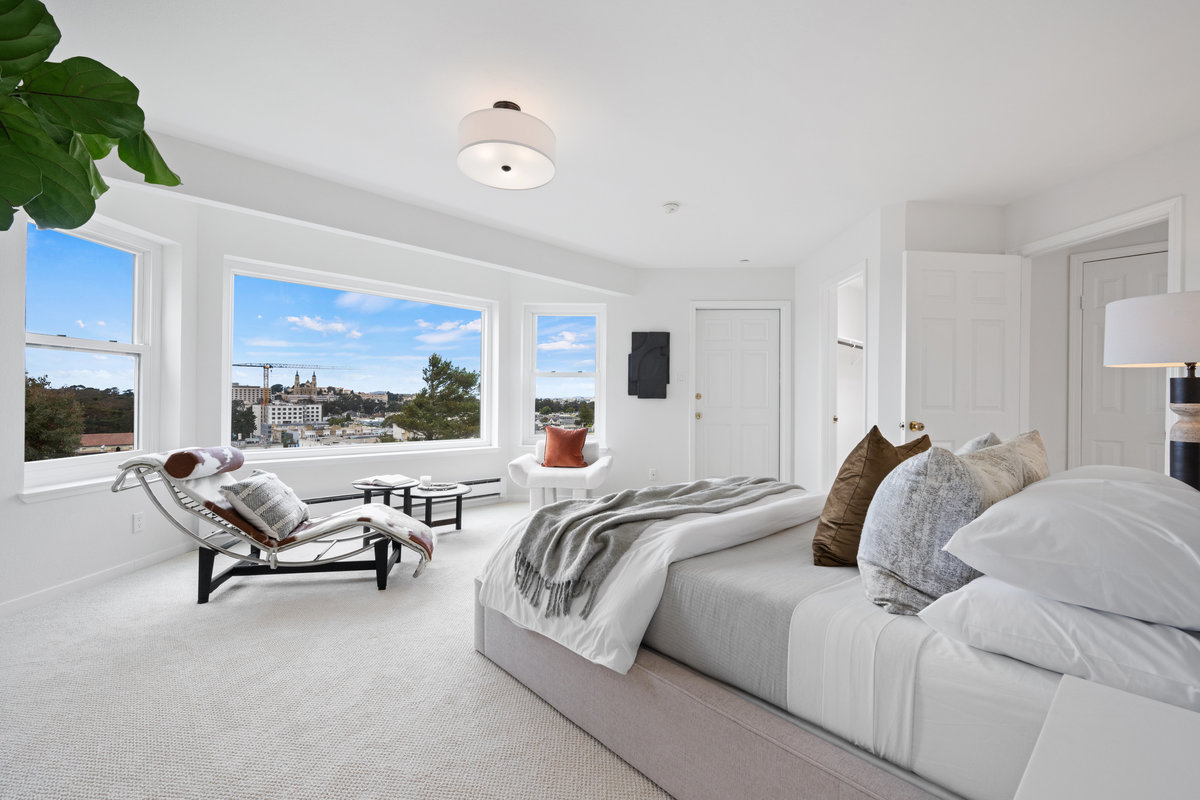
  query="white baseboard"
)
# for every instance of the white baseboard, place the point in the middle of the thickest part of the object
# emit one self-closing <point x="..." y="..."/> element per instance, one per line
<point x="26" y="602"/>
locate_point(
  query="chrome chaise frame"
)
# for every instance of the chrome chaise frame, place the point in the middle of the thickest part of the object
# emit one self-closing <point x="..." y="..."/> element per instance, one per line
<point x="260" y="554"/>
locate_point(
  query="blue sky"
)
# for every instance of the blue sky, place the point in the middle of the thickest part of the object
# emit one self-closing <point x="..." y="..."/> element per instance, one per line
<point x="382" y="343"/>
<point x="83" y="289"/>
<point x="567" y="345"/>
<point x="78" y="288"/>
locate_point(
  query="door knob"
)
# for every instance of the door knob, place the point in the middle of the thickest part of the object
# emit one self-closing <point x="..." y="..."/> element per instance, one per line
<point x="697" y="415"/>
<point x="697" y="395"/>
<point x="835" y="417"/>
<point x="916" y="426"/>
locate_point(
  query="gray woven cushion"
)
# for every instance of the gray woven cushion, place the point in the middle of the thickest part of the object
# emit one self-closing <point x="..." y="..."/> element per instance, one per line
<point x="922" y="503"/>
<point x="267" y="502"/>
<point x="978" y="443"/>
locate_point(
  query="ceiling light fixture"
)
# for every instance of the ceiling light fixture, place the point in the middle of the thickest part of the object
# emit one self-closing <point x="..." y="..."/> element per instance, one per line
<point x="504" y="147"/>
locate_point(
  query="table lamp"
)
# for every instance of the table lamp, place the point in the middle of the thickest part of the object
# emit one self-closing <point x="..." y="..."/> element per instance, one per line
<point x="1163" y="330"/>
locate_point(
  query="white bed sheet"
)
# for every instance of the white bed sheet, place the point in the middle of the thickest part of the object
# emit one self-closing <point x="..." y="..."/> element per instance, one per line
<point x="962" y="718"/>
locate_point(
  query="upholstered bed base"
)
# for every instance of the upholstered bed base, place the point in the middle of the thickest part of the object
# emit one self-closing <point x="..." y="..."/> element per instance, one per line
<point x="693" y="736"/>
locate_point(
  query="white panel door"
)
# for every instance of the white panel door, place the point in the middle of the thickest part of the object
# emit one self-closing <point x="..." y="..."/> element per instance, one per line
<point x="1121" y="410"/>
<point x="962" y="342"/>
<point x="737" y="393"/>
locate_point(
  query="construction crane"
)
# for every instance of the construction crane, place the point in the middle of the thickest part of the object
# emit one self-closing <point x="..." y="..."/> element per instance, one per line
<point x="266" y="368"/>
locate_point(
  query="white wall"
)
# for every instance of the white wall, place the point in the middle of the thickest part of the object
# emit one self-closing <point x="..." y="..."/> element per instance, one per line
<point x="1165" y="172"/>
<point x="1048" y="357"/>
<point x="81" y="536"/>
<point x="879" y="240"/>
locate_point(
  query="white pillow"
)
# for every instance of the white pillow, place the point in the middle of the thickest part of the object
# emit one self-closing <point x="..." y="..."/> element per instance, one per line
<point x="1111" y="472"/>
<point x="1152" y="660"/>
<point x="1123" y="546"/>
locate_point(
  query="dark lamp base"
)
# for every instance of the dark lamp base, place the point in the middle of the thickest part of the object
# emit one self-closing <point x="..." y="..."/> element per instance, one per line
<point x="1185" y="433"/>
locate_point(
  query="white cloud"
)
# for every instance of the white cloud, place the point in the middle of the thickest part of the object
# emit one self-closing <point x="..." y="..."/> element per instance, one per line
<point x="79" y="322"/>
<point x="365" y="303"/>
<point x="564" y="340"/>
<point x="101" y="323"/>
<point x="354" y="334"/>
<point x="447" y="331"/>
<point x="319" y="325"/>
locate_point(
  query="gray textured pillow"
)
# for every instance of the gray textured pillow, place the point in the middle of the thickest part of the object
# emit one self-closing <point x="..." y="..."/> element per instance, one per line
<point x="267" y="503"/>
<point x="978" y="443"/>
<point x="922" y="503"/>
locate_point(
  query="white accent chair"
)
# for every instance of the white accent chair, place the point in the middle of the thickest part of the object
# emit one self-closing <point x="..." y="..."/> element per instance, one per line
<point x="544" y="483"/>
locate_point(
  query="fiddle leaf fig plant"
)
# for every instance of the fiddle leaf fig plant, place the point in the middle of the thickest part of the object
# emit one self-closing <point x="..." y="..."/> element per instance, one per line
<point x="57" y="119"/>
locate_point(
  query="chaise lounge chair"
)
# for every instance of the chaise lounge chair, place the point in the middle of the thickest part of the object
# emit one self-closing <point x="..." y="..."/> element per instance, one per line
<point x="262" y="525"/>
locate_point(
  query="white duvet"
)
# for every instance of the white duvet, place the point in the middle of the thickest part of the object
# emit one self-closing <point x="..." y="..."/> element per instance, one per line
<point x="627" y="599"/>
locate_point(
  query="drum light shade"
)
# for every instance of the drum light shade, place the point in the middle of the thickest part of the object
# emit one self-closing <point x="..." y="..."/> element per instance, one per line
<point x="506" y="148"/>
<point x="1158" y="330"/>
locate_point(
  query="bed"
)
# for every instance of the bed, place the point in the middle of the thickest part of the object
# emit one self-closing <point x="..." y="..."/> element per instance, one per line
<point x="762" y="675"/>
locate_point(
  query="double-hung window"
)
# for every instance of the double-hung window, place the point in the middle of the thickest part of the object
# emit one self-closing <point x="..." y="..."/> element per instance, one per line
<point x="564" y="380"/>
<point x="88" y="324"/>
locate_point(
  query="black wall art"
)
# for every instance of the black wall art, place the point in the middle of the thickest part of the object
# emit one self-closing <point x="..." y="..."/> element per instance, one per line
<point x="650" y="364"/>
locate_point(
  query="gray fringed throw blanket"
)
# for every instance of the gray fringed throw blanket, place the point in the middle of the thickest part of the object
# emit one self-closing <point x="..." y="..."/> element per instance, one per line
<point x="568" y="548"/>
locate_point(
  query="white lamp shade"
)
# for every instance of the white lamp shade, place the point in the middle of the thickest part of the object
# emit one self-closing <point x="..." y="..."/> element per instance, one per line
<point x="506" y="149"/>
<point x="1158" y="330"/>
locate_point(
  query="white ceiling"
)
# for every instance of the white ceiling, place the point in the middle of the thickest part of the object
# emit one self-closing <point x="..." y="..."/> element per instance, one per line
<point x="775" y="124"/>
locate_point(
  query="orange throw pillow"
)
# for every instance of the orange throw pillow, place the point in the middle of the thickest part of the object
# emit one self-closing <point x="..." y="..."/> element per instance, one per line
<point x="564" y="448"/>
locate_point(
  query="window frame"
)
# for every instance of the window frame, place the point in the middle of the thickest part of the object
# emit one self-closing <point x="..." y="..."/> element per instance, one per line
<point x="235" y="266"/>
<point x="143" y="347"/>
<point x="530" y="373"/>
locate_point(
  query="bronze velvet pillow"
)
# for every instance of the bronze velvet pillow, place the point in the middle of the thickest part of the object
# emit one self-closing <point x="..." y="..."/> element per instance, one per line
<point x="835" y="543"/>
<point x="564" y="448"/>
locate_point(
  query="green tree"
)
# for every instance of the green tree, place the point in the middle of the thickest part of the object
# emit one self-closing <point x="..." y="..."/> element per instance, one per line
<point x="448" y="406"/>
<point x="587" y="415"/>
<point x="53" y="421"/>
<point x="244" y="423"/>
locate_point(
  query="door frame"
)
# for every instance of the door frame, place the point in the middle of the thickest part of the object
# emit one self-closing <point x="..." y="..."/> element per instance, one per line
<point x="1075" y="335"/>
<point x="784" y="307"/>
<point x="1169" y="211"/>
<point x="828" y="365"/>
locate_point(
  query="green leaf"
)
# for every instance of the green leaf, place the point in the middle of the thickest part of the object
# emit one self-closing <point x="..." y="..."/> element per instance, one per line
<point x="27" y="36"/>
<point x="6" y="217"/>
<point x="84" y="95"/>
<point x="20" y="179"/>
<point x="140" y="153"/>
<point x="79" y="152"/>
<point x="66" y="198"/>
<point x="97" y="146"/>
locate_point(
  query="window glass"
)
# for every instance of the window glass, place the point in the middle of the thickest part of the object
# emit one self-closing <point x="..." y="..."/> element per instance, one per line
<point x="566" y="344"/>
<point x="350" y="368"/>
<point x="78" y="288"/>
<point x="564" y="379"/>
<point x="83" y="353"/>
<point x="78" y="403"/>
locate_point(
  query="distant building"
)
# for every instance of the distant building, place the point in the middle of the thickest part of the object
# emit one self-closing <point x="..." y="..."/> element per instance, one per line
<point x="250" y="395"/>
<point x="287" y="413"/>
<point x="304" y="391"/>
<point x="104" y="443"/>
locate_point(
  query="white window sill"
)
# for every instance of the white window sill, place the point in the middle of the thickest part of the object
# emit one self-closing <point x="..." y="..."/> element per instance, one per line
<point x="57" y="491"/>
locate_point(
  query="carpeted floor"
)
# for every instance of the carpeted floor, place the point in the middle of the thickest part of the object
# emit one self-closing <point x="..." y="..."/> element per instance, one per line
<point x="291" y="687"/>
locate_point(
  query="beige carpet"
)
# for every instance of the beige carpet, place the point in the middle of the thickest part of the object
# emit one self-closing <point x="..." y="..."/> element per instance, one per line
<point x="285" y="687"/>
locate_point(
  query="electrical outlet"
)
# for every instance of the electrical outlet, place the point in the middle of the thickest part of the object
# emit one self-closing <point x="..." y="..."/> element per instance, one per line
<point x="653" y="474"/>
<point x="139" y="521"/>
